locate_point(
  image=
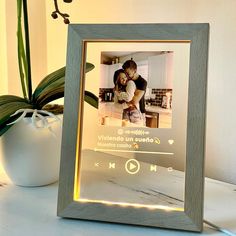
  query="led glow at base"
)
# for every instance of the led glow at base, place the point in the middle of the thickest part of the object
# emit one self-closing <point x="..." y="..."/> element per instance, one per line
<point x="124" y="204"/>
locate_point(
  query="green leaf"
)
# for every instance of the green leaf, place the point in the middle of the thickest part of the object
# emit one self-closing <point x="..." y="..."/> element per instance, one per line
<point x="49" y="79"/>
<point x="53" y="77"/>
<point x="59" y="93"/>
<point x="6" y="110"/>
<point x="58" y="83"/>
<point x="4" y="129"/>
<point x="91" y="99"/>
<point x="4" y="99"/>
<point x="53" y="88"/>
<point x="89" y="67"/>
<point x="51" y="95"/>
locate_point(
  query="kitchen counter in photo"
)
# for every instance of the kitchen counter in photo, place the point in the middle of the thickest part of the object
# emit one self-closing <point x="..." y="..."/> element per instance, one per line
<point x="110" y="114"/>
<point x="163" y="115"/>
<point x="156" y="116"/>
<point x="158" y="109"/>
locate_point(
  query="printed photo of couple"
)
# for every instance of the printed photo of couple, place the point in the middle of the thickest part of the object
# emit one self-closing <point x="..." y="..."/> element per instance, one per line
<point x="127" y="99"/>
<point x="129" y="92"/>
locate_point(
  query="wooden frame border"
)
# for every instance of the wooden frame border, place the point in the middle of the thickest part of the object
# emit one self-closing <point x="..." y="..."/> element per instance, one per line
<point x="197" y="34"/>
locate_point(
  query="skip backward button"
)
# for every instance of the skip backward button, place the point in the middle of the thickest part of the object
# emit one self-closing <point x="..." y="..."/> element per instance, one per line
<point x="132" y="166"/>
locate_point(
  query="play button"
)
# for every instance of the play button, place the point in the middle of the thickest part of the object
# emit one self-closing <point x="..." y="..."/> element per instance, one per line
<point x="132" y="166"/>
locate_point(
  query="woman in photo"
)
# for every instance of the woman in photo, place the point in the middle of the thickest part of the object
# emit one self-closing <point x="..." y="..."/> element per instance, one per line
<point x="123" y="93"/>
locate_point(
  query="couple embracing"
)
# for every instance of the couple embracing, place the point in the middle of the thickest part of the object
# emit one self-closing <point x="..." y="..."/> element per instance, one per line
<point x="129" y="91"/>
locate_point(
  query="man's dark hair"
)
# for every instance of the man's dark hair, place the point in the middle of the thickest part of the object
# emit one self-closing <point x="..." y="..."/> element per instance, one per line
<point x="130" y="64"/>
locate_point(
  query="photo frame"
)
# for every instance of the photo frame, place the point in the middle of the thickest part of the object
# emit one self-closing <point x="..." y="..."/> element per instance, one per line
<point x="72" y="183"/>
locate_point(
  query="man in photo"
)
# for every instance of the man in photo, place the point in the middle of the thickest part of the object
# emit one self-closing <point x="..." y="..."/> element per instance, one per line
<point x="130" y="68"/>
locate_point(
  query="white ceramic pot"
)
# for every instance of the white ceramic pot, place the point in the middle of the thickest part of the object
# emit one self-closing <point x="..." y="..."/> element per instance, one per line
<point x="31" y="156"/>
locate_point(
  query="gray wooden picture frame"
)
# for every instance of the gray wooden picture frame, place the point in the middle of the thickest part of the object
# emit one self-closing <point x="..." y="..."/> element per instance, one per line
<point x="197" y="34"/>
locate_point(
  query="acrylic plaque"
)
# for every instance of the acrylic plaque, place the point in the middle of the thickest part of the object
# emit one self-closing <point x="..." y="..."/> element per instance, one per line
<point x="134" y="124"/>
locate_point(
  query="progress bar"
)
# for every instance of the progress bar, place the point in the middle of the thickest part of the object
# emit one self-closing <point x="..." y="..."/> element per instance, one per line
<point x="147" y="152"/>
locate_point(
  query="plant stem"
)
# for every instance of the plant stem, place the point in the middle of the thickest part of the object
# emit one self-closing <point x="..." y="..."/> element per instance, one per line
<point x="19" y="46"/>
<point x="27" y="47"/>
<point x="56" y="5"/>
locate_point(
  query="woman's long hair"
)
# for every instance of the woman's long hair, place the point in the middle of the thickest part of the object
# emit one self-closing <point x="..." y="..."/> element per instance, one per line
<point x="116" y="80"/>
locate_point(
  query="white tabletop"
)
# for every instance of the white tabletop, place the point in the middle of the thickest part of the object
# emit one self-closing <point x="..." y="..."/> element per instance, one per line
<point x="32" y="211"/>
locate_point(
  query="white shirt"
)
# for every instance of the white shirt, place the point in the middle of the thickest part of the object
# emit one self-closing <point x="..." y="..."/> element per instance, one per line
<point x="128" y="95"/>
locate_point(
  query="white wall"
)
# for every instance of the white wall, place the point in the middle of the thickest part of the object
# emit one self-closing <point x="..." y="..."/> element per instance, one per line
<point x="3" y="51"/>
<point x="221" y="128"/>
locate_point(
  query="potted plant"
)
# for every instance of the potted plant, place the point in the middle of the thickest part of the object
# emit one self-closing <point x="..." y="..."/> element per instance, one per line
<point x="30" y="128"/>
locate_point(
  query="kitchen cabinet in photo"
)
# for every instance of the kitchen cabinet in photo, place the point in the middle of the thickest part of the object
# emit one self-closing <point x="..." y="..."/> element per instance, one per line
<point x="107" y="73"/>
<point x="160" y="71"/>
